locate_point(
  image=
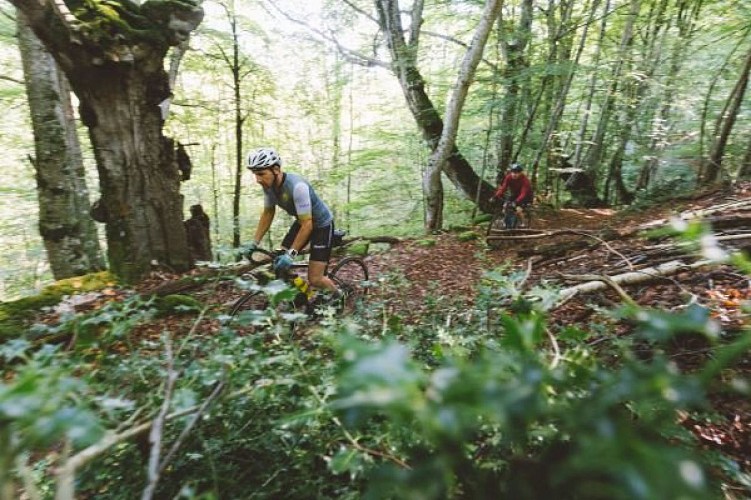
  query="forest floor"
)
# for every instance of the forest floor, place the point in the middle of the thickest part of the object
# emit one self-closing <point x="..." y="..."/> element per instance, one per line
<point x="446" y="266"/>
<point x="454" y="268"/>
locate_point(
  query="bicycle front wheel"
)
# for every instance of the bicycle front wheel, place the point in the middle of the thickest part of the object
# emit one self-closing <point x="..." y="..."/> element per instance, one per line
<point x="494" y="224"/>
<point x="351" y="276"/>
<point x="253" y="300"/>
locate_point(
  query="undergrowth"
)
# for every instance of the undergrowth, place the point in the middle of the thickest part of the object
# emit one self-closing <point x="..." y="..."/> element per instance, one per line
<point x="485" y="401"/>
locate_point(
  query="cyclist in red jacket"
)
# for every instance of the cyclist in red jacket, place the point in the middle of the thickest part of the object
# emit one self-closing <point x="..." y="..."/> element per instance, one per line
<point x="519" y="188"/>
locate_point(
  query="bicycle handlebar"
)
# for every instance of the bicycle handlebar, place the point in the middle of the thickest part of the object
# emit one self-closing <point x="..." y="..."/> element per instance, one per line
<point x="263" y="256"/>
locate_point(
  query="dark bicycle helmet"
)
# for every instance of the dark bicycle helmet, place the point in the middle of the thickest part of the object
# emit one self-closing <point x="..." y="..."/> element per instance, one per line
<point x="263" y="158"/>
<point x="516" y="167"/>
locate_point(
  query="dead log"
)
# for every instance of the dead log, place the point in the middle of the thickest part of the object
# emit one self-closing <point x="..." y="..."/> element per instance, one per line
<point x="197" y="280"/>
<point x="596" y="283"/>
<point x="554" y="250"/>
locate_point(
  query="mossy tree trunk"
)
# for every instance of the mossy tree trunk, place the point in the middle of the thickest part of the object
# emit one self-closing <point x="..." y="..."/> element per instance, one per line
<point x="67" y="229"/>
<point x="115" y="66"/>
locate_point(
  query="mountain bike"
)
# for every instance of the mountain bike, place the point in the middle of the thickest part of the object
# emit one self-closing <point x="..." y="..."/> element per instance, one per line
<point x="350" y="274"/>
<point x="506" y="218"/>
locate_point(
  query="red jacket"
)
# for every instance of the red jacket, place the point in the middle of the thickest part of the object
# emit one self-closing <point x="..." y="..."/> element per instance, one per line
<point x="520" y="187"/>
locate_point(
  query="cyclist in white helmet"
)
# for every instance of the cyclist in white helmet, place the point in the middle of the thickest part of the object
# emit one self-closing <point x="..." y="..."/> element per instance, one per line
<point x="313" y="220"/>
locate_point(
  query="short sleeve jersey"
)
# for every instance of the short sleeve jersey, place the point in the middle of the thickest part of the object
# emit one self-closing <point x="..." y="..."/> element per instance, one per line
<point x="298" y="198"/>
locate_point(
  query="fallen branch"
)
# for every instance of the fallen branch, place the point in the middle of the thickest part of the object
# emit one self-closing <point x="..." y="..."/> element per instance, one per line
<point x="607" y="280"/>
<point x="630" y="278"/>
<point x="155" y="436"/>
<point x="527" y="234"/>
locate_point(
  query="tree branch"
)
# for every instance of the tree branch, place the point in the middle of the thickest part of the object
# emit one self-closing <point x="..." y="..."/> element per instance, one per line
<point x="349" y="54"/>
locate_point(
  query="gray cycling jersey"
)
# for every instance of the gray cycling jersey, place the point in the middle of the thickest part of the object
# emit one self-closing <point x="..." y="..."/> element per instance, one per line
<point x="298" y="198"/>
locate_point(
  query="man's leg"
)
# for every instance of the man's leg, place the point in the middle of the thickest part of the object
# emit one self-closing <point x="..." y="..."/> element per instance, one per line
<point x="316" y="278"/>
<point x="520" y="216"/>
<point x="320" y="252"/>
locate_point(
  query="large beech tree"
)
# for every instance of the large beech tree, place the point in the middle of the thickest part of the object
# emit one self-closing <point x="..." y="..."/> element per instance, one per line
<point x="112" y="54"/>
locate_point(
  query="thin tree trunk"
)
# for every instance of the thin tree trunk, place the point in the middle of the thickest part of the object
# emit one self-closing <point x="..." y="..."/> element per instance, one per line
<point x="235" y="68"/>
<point x="513" y="47"/>
<point x="597" y="148"/>
<point x="555" y="116"/>
<point x="404" y="65"/>
<point x="745" y="170"/>
<point x="592" y="87"/>
<point x="66" y="227"/>
<point x="432" y="179"/>
<point x="711" y="169"/>
<point x="688" y="12"/>
<point x="633" y="94"/>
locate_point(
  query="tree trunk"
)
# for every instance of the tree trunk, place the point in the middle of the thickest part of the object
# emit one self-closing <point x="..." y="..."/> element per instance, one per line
<point x="119" y="78"/>
<point x="711" y="169"/>
<point x="404" y="65"/>
<point x="555" y="116"/>
<point x="236" y="68"/>
<point x="432" y="179"/>
<point x="745" y="171"/>
<point x="139" y="178"/>
<point x="513" y="45"/>
<point x="592" y="87"/>
<point x="68" y="232"/>
<point x="597" y="149"/>
<point x="687" y="14"/>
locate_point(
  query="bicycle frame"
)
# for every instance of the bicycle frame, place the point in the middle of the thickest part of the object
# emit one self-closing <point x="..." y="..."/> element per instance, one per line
<point x="349" y="275"/>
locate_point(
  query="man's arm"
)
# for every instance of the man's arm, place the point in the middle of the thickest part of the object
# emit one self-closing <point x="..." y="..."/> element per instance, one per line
<point x="303" y="235"/>
<point x="502" y="189"/>
<point x="525" y="191"/>
<point x="264" y="223"/>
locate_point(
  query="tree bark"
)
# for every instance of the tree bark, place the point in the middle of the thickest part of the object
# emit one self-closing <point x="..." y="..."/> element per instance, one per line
<point x="711" y="168"/>
<point x="118" y="75"/>
<point x="592" y="87"/>
<point x="687" y="14"/>
<point x="67" y="230"/>
<point x="513" y="45"/>
<point x="745" y="171"/>
<point x="432" y="178"/>
<point x="404" y="66"/>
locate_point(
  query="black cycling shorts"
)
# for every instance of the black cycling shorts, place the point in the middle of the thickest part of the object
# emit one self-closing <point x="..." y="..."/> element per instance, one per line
<point x="321" y="239"/>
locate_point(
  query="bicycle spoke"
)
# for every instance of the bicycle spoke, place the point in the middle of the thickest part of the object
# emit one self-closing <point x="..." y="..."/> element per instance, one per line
<point x="351" y="277"/>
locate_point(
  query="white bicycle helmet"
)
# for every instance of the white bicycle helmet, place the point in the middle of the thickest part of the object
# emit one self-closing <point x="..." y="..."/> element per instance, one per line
<point x="263" y="158"/>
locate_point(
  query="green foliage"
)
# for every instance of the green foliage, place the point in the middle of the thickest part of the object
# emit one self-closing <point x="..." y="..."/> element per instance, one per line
<point x="177" y="304"/>
<point x="481" y="408"/>
<point x="508" y="422"/>
<point x="427" y="242"/>
<point x="467" y="236"/>
<point x="40" y="405"/>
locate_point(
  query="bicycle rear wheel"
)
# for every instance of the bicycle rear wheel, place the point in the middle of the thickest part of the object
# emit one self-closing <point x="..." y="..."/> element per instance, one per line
<point x="252" y="301"/>
<point x="351" y="276"/>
